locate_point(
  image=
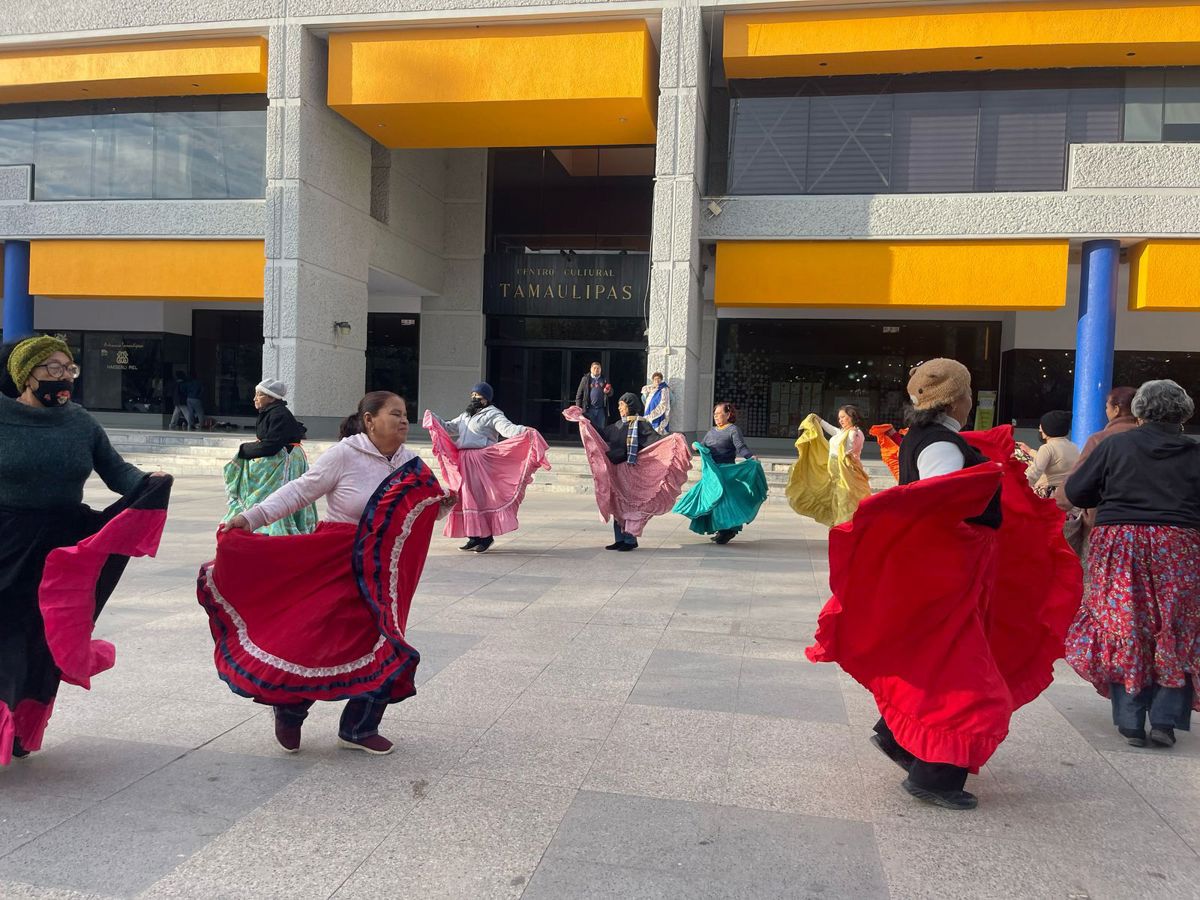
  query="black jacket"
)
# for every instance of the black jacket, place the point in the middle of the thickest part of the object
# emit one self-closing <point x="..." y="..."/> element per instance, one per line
<point x="616" y="436"/>
<point x="1147" y="476"/>
<point x="921" y="436"/>
<point x="276" y="428"/>
<point x="584" y="390"/>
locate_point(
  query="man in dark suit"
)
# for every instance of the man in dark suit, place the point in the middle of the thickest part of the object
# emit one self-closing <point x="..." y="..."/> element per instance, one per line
<point x="593" y="395"/>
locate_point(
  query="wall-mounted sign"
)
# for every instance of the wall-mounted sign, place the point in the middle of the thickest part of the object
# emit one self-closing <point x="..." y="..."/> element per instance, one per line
<point x="544" y="284"/>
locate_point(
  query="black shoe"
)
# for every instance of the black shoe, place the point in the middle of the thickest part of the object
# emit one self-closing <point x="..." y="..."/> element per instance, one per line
<point x="617" y="546"/>
<point x="944" y="799"/>
<point x="896" y="753"/>
<point x="1134" y="737"/>
<point x="471" y="544"/>
<point x="723" y="537"/>
<point x="484" y="544"/>
<point x="1163" y="737"/>
<point x="287" y="736"/>
<point x="625" y="548"/>
<point x="18" y="751"/>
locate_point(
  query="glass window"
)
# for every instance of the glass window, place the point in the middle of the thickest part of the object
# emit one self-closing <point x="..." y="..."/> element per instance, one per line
<point x="227" y="359"/>
<point x="174" y="148"/>
<point x="393" y="354"/>
<point x="944" y="132"/>
<point x="777" y="372"/>
<point x="121" y="372"/>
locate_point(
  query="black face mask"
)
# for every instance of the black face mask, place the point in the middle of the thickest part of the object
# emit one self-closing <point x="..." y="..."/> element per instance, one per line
<point x="474" y="405"/>
<point x="54" y="393"/>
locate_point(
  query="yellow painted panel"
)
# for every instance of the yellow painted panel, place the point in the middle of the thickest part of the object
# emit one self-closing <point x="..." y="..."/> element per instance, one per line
<point x="1162" y="275"/>
<point x="944" y="274"/>
<point x="499" y="85"/>
<point x="160" y="69"/>
<point x="147" y="270"/>
<point x="962" y="38"/>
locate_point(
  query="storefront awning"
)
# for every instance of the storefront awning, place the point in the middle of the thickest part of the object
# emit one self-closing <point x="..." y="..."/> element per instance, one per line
<point x="159" y="69"/>
<point x="920" y="274"/>
<point x="1045" y="35"/>
<point x="576" y="84"/>
<point x="147" y="270"/>
<point x="1162" y="275"/>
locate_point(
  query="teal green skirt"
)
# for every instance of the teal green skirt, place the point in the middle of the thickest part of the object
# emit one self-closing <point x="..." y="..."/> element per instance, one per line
<point x="248" y="482"/>
<point x="727" y="496"/>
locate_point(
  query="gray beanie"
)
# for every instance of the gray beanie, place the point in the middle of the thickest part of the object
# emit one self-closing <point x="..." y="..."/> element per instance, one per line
<point x="272" y="388"/>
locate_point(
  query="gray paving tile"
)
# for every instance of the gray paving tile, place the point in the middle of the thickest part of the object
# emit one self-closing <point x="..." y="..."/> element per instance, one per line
<point x="438" y="649"/>
<point x="1091" y="716"/>
<point x="25" y="813"/>
<point x="529" y="757"/>
<point x="89" y="768"/>
<point x="573" y="879"/>
<point x="682" y="692"/>
<point x="116" y="847"/>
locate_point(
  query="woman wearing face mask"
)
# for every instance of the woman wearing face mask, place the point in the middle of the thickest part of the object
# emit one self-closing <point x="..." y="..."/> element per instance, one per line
<point x="490" y="462"/>
<point x="637" y="473"/>
<point x="729" y="494"/>
<point x="827" y="481"/>
<point x="263" y="466"/>
<point x="51" y="589"/>
<point x="321" y="616"/>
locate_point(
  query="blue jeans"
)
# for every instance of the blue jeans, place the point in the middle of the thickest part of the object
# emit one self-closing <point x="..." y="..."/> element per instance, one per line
<point x="623" y="537"/>
<point x="598" y="416"/>
<point x="360" y="718"/>
<point x="1166" y="707"/>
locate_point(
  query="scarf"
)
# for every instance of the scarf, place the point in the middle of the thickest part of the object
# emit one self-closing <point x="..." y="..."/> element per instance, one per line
<point x="631" y="440"/>
<point x="658" y="408"/>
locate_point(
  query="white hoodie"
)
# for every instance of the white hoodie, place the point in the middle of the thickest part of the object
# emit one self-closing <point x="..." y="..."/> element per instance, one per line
<point x="346" y="475"/>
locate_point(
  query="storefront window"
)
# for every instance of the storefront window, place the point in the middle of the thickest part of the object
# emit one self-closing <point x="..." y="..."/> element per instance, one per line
<point x="227" y="359"/>
<point x="393" y="354"/>
<point x="777" y="372"/>
<point x="175" y="148"/>
<point x="125" y="371"/>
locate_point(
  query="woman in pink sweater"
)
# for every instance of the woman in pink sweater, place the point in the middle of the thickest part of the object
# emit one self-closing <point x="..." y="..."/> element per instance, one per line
<point x="301" y="618"/>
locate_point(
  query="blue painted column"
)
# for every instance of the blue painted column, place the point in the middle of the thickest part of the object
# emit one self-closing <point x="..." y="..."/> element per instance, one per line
<point x="1095" y="336"/>
<point x="18" y="304"/>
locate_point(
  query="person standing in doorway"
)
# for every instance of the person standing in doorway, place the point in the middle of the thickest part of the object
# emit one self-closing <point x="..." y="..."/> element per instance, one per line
<point x="593" y="395"/>
<point x="656" y="399"/>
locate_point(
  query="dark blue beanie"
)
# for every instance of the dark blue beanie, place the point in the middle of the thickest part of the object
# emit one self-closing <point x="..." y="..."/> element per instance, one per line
<point x="484" y="390"/>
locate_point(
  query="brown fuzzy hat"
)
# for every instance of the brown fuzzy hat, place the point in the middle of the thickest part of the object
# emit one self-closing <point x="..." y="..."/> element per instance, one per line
<point x="938" y="382"/>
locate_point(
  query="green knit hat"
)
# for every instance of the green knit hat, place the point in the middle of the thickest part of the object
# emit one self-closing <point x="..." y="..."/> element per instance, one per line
<point x="31" y="353"/>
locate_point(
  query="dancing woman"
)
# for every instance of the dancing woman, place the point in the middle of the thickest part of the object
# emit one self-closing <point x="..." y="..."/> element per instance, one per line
<point x="637" y="473"/>
<point x="490" y="462"/>
<point x="729" y="494"/>
<point x="266" y="464"/>
<point x="321" y="616"/>
<point x="59" y="560"/>
<point x="827" y="481"/>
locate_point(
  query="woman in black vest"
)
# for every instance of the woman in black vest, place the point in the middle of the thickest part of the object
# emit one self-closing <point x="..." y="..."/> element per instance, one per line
<point x="940" y="391"/>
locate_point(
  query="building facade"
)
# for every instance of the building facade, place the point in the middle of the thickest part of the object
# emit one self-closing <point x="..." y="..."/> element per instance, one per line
<point x="784" y="205"/>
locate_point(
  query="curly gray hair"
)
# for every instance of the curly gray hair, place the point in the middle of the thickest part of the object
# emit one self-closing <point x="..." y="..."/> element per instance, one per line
<point x="1163" y="401"/>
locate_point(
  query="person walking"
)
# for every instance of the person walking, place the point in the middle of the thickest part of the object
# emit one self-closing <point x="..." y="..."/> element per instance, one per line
<point x="263" y="466"/>
<point x="194" y="390"/>
<point x="1055" y="458"/>
<point x="656" y="400"/>
<point x="593" y="395"/>
<point x="827" y="482"/>
<point x="1120" y="418"/>
<point x="181" y="417"/>
<point x="1136" y="637"/>
<point x="490" y="462"/>
<point x="60" y="561"/>
<point x="321" y="616"/>
<point x="729" y="494"/>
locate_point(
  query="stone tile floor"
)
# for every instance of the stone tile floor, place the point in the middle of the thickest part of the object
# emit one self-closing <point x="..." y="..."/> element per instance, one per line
<point x="588" y="724"/>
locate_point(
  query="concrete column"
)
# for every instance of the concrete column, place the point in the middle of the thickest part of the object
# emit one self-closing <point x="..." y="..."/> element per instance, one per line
<point x="675" y="339"/>
<point x="319" y="236"/>
<point x="452" y="324"/>
<point x="18" y="303"/>
<point x="1095" y="336"/>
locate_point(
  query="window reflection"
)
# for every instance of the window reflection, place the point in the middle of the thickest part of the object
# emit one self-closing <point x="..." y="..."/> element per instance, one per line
<point x="175" y="148"/>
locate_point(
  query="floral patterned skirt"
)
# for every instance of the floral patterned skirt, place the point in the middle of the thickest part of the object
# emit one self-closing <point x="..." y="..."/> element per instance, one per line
<point x="1139" y="623"/>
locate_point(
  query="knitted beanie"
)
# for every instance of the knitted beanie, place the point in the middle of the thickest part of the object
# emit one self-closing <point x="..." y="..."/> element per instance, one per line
<point x="938" y="382"/>
<point x="272" y="388"/>
<point x="484" y="390"/>
<point x="634" y="402"/>
<point x="31" y="353"/>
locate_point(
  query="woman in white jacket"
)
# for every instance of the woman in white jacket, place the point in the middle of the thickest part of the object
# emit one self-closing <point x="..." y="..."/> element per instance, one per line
<point x="490" y="461"/>
<point x="350" y="476"/>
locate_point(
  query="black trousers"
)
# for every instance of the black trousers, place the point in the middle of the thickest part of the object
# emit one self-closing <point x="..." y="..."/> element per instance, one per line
<point x="929" y="775"/>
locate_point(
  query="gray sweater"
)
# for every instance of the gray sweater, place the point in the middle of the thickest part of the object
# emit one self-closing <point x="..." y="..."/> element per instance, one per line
<point x="46" y="455"/>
